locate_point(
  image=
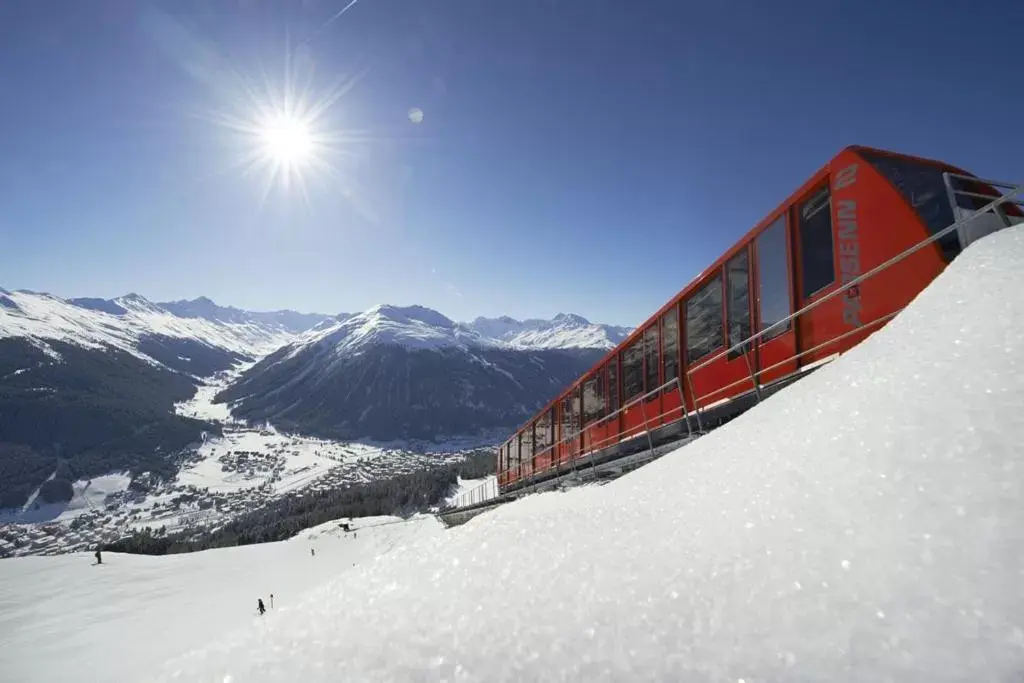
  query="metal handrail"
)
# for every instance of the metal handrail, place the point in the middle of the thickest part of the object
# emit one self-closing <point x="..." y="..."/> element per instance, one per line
<point x="1010" y="196"/>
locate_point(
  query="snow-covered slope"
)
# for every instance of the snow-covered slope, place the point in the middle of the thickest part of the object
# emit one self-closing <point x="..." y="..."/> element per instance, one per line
<point x="861" y="525"/>
<point x="62" y="620"/>
<point x="122" y="323"/>
<point x="565" y="330"/>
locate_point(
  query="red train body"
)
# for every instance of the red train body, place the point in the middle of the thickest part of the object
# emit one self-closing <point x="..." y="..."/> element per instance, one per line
<point x="673" y="373"/>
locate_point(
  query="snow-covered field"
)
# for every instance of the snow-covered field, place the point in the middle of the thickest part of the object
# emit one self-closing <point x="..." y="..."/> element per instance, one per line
<point x="863" y="524"/>
<point x="64" y="619"/>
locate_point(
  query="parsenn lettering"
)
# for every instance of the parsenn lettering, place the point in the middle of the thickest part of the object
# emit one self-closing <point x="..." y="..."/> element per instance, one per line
<point x="849" y="246"/>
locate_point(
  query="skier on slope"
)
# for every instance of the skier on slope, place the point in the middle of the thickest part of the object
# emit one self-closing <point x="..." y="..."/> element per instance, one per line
<point x="99" y="557"/>
<point x="260" y="607"/>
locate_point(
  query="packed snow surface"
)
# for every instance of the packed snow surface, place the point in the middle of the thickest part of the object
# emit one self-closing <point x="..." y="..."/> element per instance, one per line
<point x="861" y="525"/>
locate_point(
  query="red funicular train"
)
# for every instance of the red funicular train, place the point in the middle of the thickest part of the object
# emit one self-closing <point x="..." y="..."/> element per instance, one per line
<point x="752" y="315"/>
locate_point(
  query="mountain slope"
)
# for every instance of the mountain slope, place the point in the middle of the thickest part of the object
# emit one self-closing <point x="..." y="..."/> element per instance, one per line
<point x="88" y="387"/>
<point x="390" y="392"/>
<point x="402" y="372"/>
<point x="94" y="411"/>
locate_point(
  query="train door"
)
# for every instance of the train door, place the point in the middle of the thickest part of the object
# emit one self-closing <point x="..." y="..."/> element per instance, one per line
<point x="632" y="420"/>
<point x="819" y="329"/>
<point x="651" y="403"/>
<point x="672" y="396"/>
<point x="543" y="455"/>
<point x="569" y="447"/>
<point x="740" y="363"/>
<point x="773" y="302"/>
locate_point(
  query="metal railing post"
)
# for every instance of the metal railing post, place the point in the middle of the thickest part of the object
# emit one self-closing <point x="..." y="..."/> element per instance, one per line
<point x="750" y="369"/>
<point x="696" y="406"/>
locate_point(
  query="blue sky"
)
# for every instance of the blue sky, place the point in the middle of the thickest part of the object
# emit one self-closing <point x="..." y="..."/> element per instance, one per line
<point x="575" y="155"/>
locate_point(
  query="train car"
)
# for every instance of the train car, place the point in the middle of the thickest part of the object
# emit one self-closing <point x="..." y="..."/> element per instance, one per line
<point x="787" y="297"/>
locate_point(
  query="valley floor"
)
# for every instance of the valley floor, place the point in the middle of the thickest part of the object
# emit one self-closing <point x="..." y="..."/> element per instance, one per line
<point x="222" y="478"/>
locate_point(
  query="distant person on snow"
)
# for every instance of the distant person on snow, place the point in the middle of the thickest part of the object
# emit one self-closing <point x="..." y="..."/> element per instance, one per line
<point x="99" y="557"/>
<point x="260" y="607"/>
<point x="271" y="601"/>
<point x="312" y="552"/>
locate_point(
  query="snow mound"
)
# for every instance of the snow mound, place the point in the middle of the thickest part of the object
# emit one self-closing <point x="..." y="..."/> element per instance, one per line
<point x="861" y="525"/>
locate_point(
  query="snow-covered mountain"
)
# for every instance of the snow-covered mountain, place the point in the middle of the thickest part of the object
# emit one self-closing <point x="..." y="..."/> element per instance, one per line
<point x="125" y="323"/>
<point x="399" y="372"/>
<point x="564" y="331"/>
<point x="89" y="386"/>
<point x="411" y="327"/>
<point x="105" y="375"/>
<point x="289" y="321"/>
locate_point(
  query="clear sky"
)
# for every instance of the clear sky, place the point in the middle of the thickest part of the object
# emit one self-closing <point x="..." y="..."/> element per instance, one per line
<point x="585" y="156"/>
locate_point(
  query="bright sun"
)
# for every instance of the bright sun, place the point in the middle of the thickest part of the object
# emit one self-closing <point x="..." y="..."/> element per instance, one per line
<point x="286" y="130"/>
<point x="287" y="141"/>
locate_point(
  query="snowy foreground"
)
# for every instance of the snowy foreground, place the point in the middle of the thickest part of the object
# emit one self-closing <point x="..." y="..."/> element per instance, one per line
<point x="861" y="525"/>
<point x="66" y="619"/>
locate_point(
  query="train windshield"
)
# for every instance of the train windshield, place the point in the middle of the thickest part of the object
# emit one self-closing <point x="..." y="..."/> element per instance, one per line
<point x="923" y="187"/>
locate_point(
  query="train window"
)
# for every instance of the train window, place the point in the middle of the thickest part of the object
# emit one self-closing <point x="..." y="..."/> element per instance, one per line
<point x="567" y="429"/>
<point x="613" y="385"/>
<point x="704" y="331"/>
<point x="543" y="432"/>
<point x="526" y="445"/>
<point x="633" y="371"/>
<point x="816" y="249"/>
<point x="513" y="461"/>
<point x="593" y="399"/>
<point x="923" y="188"/>
<point x="773" y="278"/>
<point x="651" y="369"/>
<point x="670" y="343"/>
<point x="737" y="278"/>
